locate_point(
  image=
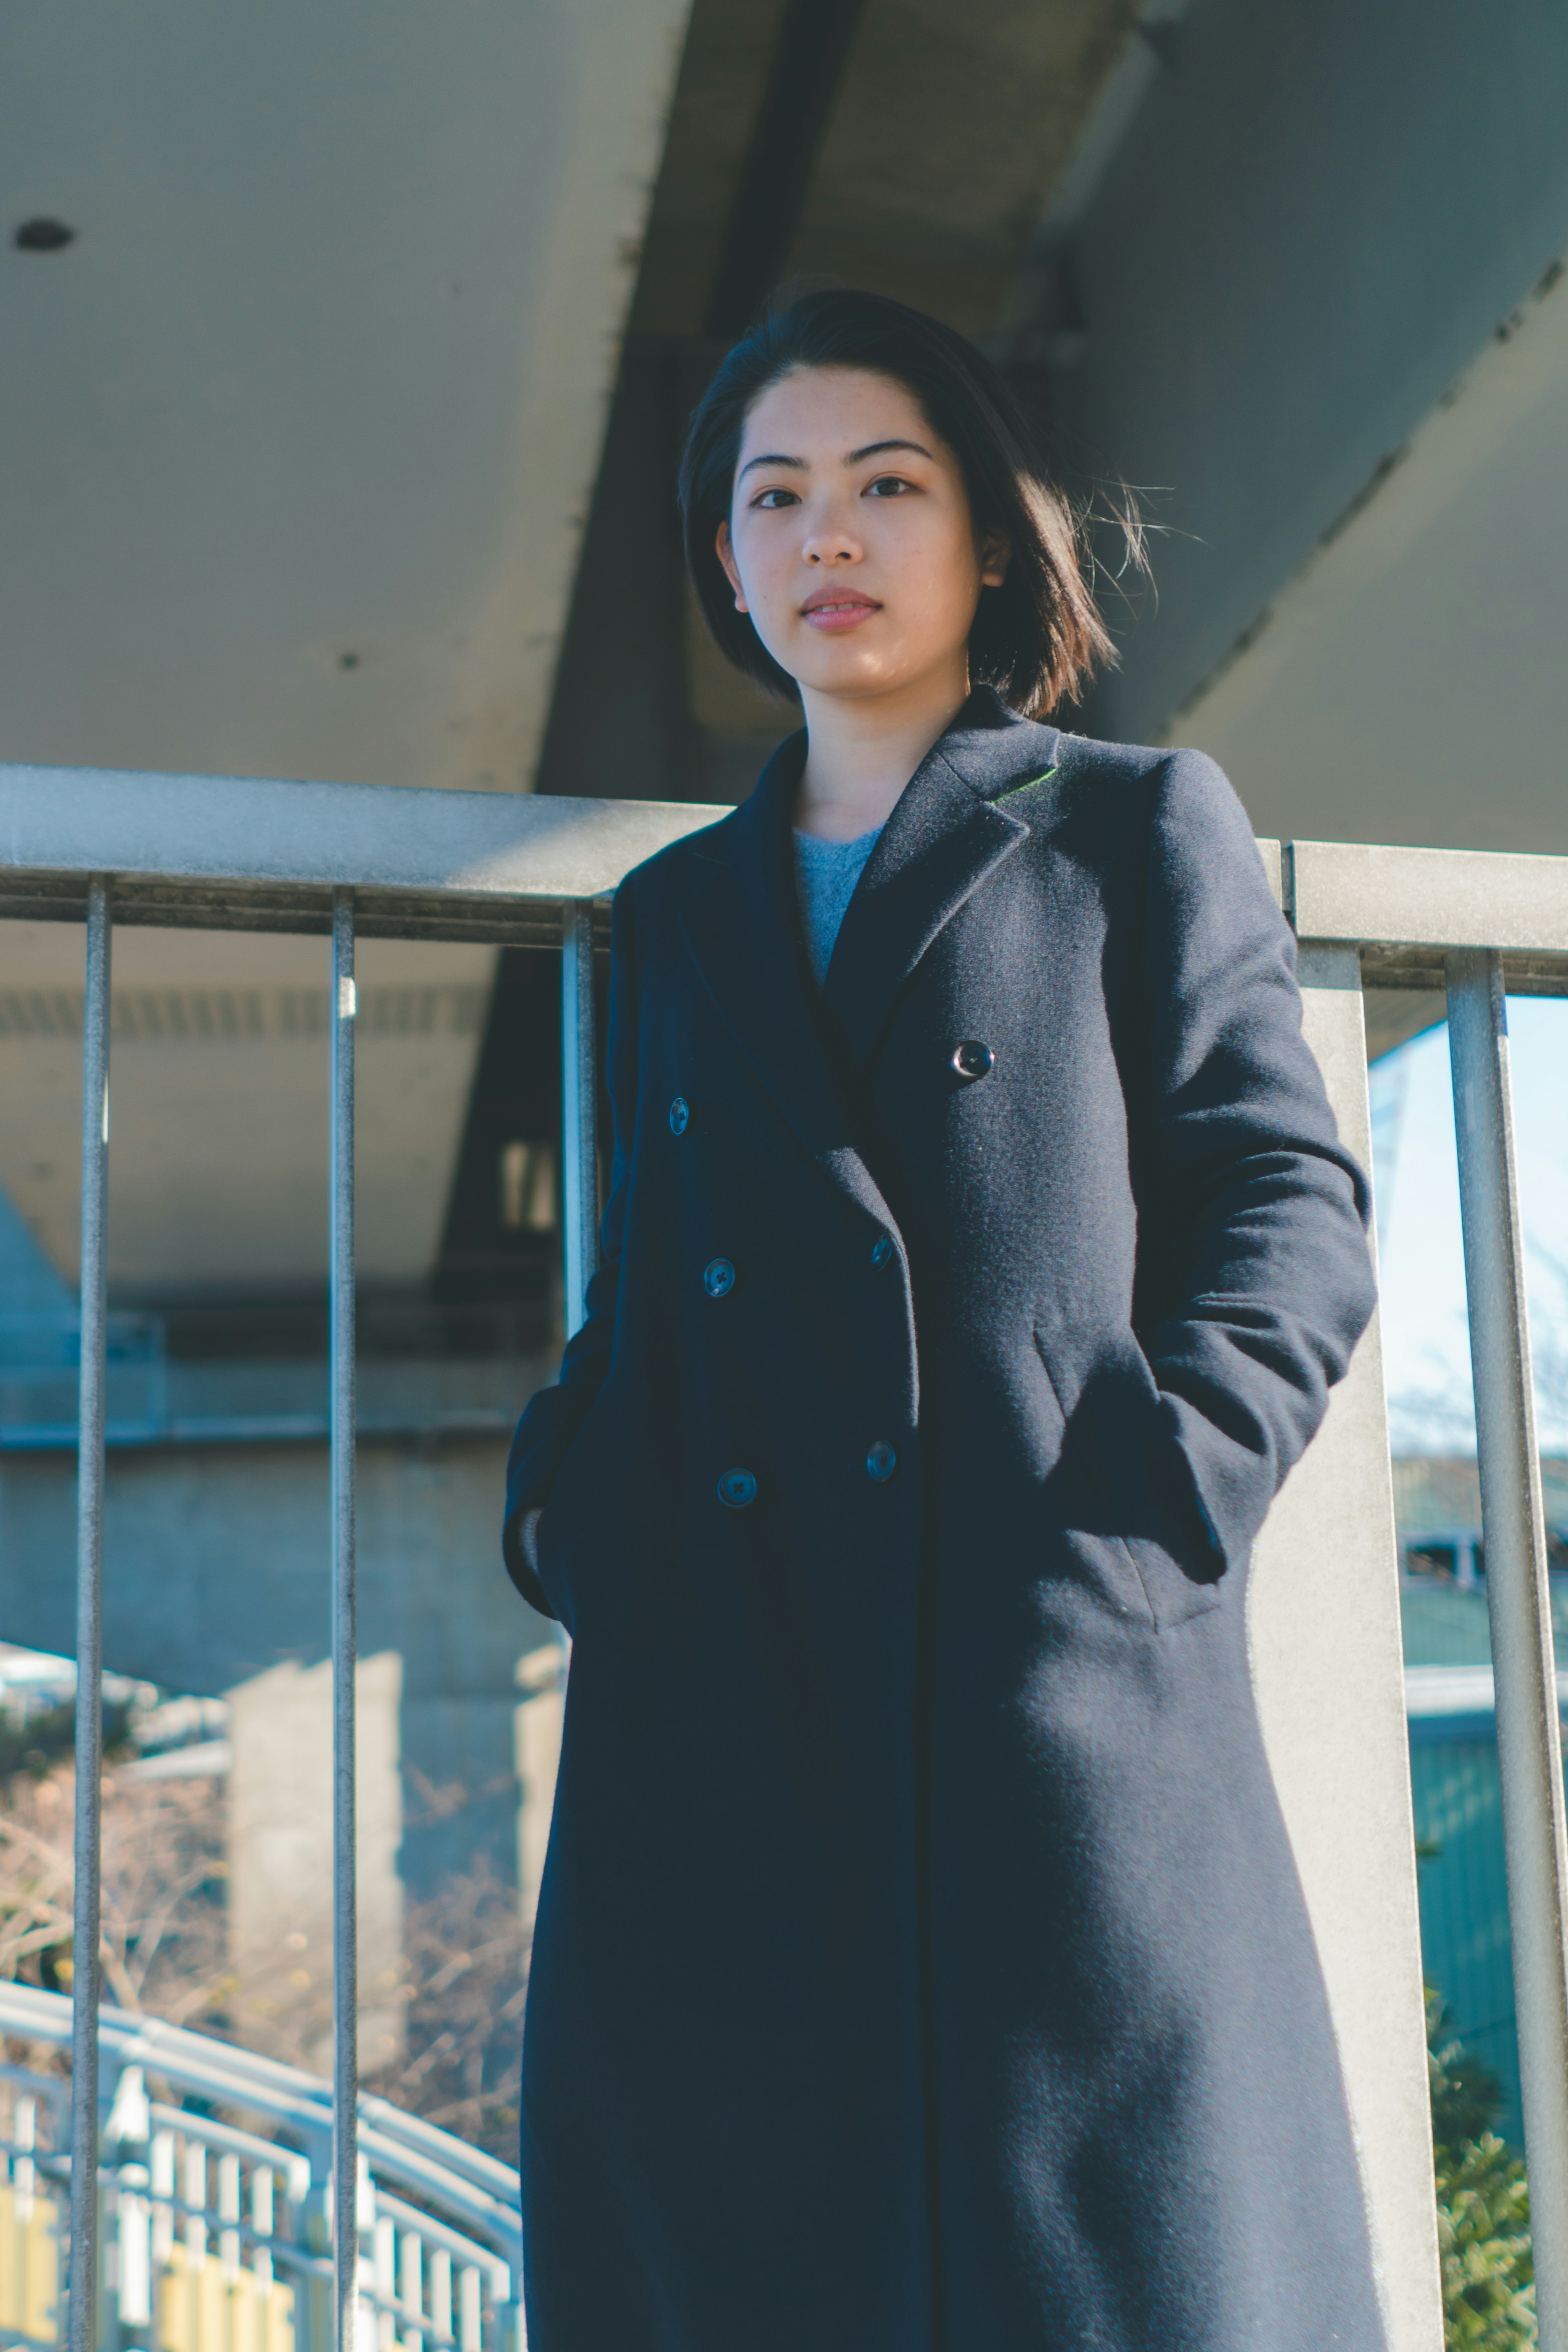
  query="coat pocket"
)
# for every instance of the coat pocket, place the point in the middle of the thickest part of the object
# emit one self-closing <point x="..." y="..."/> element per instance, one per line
<point x="559" y="1535"/>
<point x="1114" y="1437"/>
<point x="583" y="1525"/>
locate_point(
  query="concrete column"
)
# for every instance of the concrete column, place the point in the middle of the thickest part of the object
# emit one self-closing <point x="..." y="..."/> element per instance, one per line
<point x="280" y="1852"/>
<point x="541" y="1713"/>
<point x="1324" y="1627"/>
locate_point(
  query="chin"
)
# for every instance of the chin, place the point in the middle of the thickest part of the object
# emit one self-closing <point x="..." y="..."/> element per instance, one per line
<point x="841" y="668"/>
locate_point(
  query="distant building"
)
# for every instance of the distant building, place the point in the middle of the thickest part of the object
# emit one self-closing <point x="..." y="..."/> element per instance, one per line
<point x="1438" y="1510"/>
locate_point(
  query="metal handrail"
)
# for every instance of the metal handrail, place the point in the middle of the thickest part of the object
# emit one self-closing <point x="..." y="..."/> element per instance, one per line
<point x="430" y="2162"/>
<point x="463" y="2231"/>
<point x="379" y="861"/>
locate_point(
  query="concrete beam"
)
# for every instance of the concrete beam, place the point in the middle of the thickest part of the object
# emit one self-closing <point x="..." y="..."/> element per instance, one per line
<point x="305" y="417"/>
<point x="1317" y="218"/>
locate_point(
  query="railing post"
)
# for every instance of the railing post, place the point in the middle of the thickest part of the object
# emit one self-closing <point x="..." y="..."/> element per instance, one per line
<point x="579" y="1109"/>
<point x="345" y="1918"/>
<point x="85" y="1970"/>
<point x="1323" y="1631"/>
<point x="1519" y="1604"/>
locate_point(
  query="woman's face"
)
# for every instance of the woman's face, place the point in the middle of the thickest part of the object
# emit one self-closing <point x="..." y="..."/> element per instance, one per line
<point x="849" y="540"/>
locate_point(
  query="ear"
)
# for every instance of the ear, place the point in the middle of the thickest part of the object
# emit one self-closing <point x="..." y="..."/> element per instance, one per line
<point x="995" y="554"/>
<point x="731" y="569"/>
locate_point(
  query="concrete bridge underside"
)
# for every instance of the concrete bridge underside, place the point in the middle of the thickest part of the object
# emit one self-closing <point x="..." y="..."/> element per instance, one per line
<point x="344" y="427"/>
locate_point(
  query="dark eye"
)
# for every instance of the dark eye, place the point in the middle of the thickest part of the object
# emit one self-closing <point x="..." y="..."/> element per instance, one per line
<point x="888" y="486"/>
<point x="768" y="499"/>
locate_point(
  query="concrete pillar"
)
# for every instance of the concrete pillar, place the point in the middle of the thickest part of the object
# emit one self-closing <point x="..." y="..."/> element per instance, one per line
<point x="1324" y="1627"/>
<point x="540" y="1712"/>
<point x="281" y="1853"/>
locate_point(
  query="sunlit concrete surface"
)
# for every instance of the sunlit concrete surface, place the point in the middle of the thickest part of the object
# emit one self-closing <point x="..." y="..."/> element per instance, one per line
<point x="301" y="425"/>
<point x="1409" y="680"/>
<point x="279" y="1890"/>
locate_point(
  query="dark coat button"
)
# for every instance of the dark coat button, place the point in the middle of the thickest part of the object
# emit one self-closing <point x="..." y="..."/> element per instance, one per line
<point x="737" y="1487"/>
<point x="881" y="1251"/>
<point x="881" y="1462"/>
<point x="680" y="1115"/>
<point x="718" y="1276"/>
<point x="974" y="1059"/>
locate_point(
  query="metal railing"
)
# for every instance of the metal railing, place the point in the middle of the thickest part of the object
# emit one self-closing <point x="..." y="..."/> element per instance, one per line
<point x="351" y="861"/>
<point x="213" y="2236"/>
<point x="361" y="861"/>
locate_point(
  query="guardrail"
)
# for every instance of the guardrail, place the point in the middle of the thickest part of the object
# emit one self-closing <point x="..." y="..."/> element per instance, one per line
<point x="107" y="849"/>
<point x="219" y="2238"/>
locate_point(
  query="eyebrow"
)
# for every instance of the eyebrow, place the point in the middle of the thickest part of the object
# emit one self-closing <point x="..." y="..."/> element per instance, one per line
<point x="871" y="449"/>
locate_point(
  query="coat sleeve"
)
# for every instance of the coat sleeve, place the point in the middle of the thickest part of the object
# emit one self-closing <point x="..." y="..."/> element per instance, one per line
<point x="1260" y="1212"/>
<point x="551" y="1419"/>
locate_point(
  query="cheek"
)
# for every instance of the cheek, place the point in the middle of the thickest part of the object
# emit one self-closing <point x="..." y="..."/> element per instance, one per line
<point x="761" y="565"/>
<point x="941" y="582"/>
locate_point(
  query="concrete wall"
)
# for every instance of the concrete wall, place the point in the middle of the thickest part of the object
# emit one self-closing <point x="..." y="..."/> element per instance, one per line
<point x="216" y="1581"/>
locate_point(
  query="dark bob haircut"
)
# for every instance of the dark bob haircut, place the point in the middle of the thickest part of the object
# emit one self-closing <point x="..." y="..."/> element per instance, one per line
<point x="1038" y="637"/>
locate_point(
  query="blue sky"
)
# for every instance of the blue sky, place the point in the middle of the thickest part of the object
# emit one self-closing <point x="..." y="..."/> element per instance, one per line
<point x="1421" y="1253"/>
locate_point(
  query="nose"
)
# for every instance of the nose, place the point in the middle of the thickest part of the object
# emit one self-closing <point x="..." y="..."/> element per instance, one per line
<point x="830" y="540"/>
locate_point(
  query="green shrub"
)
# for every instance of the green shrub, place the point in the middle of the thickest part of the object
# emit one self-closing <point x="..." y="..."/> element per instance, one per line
<point x="1483" y="2203"/>
<point x="1483" y="2239"/>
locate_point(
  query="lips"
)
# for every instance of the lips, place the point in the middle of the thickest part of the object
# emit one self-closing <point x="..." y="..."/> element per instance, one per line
<point x="838" y="608"/>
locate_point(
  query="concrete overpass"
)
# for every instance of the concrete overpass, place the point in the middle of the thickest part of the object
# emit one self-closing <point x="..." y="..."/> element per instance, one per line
<point x="347" y="367"/>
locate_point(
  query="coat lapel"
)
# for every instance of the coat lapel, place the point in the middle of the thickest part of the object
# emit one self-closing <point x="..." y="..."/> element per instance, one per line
<point x="741" y="918"/>
<point x="944" y="839"/>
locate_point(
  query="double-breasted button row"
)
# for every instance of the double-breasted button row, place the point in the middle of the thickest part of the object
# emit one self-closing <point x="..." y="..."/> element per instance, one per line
<point x="719" y="1278"/>
<point x="738" y="1487"/>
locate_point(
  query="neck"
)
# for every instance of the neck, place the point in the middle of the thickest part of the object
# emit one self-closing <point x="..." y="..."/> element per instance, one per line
<point x="861" y="753"/>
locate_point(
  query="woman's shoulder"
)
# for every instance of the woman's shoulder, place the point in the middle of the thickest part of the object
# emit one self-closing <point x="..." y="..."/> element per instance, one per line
<point x="1160" y="773"/>
<point x="670" y="869"/>
<point x="1170" y="793"/>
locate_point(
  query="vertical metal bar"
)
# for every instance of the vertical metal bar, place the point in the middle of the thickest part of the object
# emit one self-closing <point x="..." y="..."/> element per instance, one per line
<point x="345" y="1916"/>
<point x="579" y="1109"/>
<point x="195" y="2199"/>
<point x="1518" y="1605"/>
<point x="85" y="1973"/>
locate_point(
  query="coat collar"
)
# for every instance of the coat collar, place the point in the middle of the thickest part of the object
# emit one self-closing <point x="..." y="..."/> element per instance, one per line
<point x="741" y="917"/>
<point x="944" y="839"/>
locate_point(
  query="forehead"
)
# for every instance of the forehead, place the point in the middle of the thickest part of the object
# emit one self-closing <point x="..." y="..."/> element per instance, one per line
<point x="819" y="414"/>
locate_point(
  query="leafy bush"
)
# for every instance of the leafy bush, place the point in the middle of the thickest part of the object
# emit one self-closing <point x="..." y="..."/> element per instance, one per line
<point x="1483" y="2202"/>
<point x="1483" y="2238"/>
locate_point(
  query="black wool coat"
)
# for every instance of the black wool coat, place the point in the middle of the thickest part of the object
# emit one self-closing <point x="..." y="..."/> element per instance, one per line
<point x="920" y="1963"/>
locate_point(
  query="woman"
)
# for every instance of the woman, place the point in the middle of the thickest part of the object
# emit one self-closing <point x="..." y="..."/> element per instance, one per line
<point x="920" y="1961"/>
